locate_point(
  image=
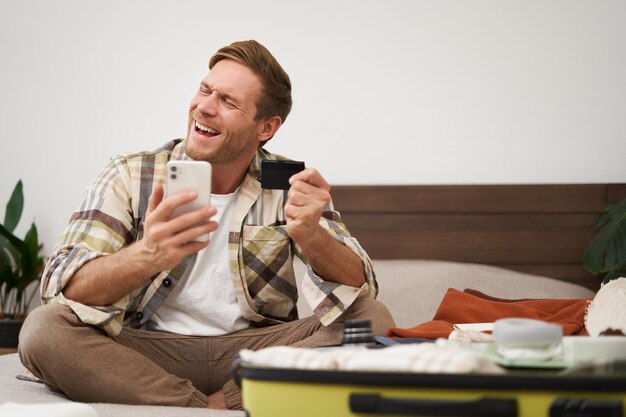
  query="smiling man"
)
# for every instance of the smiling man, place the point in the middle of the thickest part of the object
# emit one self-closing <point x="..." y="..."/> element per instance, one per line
<point x="137" y="312"/>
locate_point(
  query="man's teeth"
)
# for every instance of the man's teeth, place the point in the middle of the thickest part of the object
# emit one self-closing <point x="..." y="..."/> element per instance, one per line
<point x="206" y="129"/>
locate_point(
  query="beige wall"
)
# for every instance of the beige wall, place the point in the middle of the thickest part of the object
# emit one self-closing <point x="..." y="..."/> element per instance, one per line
<point x="410" y="92"/>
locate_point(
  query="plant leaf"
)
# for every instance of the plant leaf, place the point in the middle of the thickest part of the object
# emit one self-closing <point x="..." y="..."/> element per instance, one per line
<point x="603" y="218"/>
<point x="22" y="249"/>
<point x="613" y="275"/>
<point x="14" y="208"/>
<point x="5" y="272"/>
<point x="32" y="243"/>
<point x="20" y="263"/>
<point x="606" y="251"/>
<point x="594" y="254"/>
<point x="8" y="278"/>
<point x="26" y="280"/>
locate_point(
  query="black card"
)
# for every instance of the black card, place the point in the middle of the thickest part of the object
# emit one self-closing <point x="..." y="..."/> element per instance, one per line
<point x="275" y="174"/>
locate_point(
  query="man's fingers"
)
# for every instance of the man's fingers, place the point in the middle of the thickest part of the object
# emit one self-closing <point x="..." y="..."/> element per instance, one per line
<point x="302" y="193"/>
<point x="308" y="195"/>
<point x="155" y="198"/>
<point x="310" y="176"/>
<point x="172" y="238"/>
<point x="297" y="198"/>
<point x="192" y="233"/>
<point x="171" y="227"/>
<point x="167" y="206"/>
<point x="187" y="220"/>
<point x="190" y="248"/>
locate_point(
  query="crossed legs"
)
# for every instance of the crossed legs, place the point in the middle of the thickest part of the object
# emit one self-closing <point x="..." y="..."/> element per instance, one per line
<point x="143" y="367"/>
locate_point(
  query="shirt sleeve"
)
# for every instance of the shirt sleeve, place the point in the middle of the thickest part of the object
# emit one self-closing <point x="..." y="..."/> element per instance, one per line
<point x="102" y="225"/>
<point x="327" y="299"/>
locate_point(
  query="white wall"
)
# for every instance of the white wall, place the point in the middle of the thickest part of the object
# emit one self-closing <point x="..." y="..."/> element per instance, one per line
<point x="403" y="92"/>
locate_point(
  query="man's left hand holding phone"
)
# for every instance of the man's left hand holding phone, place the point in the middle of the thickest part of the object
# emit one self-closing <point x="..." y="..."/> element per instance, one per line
<point x="178" y="222"/>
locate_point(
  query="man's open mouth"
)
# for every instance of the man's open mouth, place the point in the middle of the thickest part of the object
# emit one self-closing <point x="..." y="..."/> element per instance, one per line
<point x="205" y="130"/>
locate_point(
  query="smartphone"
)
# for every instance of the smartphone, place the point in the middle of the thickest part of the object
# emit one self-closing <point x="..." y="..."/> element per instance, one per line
<point x="275" y="174"/>
<point x="185" y="176"/>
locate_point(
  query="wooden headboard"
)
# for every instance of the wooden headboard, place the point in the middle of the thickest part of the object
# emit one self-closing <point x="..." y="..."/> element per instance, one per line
<point x="537" y="229"/>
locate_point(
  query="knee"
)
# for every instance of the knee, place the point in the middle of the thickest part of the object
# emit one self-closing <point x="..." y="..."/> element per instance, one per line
<point x="43" y="328"/>
<point x="375" y="311"/>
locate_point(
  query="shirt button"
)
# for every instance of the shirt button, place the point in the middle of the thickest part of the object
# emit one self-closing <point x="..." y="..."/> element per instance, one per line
<point x="167" y="282"/>
<point x="139" y="315"/>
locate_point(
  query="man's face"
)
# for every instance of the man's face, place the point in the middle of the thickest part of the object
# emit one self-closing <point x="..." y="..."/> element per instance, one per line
<point x="221" y="127"/>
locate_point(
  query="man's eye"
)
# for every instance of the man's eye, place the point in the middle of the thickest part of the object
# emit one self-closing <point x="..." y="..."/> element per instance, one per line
<point x="229" y="104"/>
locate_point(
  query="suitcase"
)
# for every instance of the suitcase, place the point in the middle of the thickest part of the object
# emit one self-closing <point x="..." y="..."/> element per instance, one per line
<point x="270" y="392"/>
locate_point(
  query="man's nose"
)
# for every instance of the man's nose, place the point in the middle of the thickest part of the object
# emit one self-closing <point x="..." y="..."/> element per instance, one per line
<point x="208" y="104"/>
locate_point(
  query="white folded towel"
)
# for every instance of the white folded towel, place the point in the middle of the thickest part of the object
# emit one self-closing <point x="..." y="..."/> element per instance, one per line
<point x="417" y="358"/>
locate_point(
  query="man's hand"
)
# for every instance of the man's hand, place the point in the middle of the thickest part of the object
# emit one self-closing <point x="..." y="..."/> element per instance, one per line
<point x="308" y="196"/>
<point x="166" y="241"/>
<point x="217" y="401"/>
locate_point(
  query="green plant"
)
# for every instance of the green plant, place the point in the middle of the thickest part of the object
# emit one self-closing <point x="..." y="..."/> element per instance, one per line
<point x="606" y="253"/>
<point x="20" y="262"/>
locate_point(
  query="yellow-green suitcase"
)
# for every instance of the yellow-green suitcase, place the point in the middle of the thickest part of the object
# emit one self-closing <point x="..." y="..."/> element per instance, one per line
<point x="594" y="392"/>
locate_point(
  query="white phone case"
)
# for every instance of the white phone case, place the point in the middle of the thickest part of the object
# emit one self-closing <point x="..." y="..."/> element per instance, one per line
<point x="185" y="176"/>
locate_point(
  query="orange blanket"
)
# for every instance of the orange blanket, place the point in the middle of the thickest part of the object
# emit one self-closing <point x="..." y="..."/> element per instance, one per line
<point x="471" y="306"/>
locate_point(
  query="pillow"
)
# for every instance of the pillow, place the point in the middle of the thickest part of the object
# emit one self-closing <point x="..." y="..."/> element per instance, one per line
<point x="413" y="289"/>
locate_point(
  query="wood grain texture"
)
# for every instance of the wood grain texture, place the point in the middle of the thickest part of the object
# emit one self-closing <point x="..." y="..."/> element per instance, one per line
<point x="617" y="193"/>
<point x="471" y="198"/>
<point x="538" y="229"/>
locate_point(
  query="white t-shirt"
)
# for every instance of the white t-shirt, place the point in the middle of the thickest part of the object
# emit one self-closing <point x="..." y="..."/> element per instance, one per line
<point x="204" y="302"/>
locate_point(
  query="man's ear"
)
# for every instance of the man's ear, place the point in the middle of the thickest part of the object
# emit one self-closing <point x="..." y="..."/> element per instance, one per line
<point x="269" y="128"/>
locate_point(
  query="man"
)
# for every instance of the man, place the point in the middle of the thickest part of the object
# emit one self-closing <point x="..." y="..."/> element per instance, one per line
<point x="138" y="312"/>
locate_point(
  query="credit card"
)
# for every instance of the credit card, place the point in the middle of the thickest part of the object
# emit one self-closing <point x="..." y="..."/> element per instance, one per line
<point x="275" y="174"/>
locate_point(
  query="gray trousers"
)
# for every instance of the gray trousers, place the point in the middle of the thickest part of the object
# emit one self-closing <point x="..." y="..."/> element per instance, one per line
<point x="156" y="368"/>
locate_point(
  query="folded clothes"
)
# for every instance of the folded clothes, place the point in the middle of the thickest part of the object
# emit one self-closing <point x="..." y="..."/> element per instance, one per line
<point x="471" y="306"/>
<point x="419" y="358"/>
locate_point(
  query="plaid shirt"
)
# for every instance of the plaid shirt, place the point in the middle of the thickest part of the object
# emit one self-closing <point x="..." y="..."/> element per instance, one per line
<point x="260" y="250"/>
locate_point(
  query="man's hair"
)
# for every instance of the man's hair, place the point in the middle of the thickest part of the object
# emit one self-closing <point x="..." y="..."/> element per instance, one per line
<point x="275" y="97"/>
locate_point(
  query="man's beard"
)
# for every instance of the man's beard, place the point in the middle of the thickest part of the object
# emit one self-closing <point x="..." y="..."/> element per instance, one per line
<point x="227" y="152"/>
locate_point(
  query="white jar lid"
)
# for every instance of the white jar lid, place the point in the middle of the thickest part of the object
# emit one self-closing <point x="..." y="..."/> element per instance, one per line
<point x="521" y="333"/>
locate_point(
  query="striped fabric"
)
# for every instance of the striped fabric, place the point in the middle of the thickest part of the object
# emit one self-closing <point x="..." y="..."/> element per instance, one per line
<point x="260" y="250"/>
